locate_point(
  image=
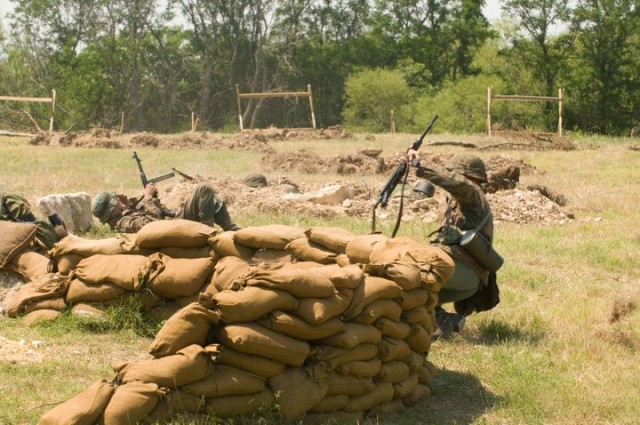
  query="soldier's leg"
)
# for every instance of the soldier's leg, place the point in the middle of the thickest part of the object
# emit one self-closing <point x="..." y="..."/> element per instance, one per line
<point x="200" y="205"/>
<point x="461" y="285"/>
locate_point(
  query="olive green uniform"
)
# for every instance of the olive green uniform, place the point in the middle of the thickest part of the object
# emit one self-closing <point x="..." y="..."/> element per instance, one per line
<point x="16" y="208"/>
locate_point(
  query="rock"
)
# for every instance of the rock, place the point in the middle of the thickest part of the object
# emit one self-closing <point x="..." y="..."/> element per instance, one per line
<point x="73" y="208"/>
<point x="331" y="195"/>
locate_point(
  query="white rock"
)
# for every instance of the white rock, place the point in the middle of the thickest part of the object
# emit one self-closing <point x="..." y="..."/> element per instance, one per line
<point x="73" y="208"/>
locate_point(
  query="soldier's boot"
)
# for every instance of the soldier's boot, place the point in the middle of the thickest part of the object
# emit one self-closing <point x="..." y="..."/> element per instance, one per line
<point x="447" y="323"/>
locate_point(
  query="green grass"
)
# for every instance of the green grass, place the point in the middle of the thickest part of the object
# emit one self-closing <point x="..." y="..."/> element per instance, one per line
<point x="549" y="353"/>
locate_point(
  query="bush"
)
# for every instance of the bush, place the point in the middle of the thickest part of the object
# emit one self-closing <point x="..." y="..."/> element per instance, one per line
<point x="371" y="95"/>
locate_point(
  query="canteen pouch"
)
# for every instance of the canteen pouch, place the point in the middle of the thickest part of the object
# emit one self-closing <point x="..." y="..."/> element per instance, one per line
<point x="480" y="248"/>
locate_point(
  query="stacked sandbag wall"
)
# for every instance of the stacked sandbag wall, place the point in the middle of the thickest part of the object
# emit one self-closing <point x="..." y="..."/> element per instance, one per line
<point x="319" y="322"/>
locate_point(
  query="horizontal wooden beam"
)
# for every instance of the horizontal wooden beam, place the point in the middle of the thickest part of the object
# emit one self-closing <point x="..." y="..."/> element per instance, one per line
<point x="274" y="94"/>
<point x="28" y="99"/>
<point x="527" y="98"/>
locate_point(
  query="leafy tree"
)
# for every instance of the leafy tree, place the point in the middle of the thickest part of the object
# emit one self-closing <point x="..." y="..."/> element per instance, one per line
<point x="371" y="95"/>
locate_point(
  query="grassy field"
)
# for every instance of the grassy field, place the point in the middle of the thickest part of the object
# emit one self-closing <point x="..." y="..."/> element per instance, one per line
<point x="562" y="347"/>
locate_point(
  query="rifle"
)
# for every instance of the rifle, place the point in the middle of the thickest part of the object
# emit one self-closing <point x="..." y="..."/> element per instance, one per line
<point x="143" y="176"/>
<point x="399" y="173"/>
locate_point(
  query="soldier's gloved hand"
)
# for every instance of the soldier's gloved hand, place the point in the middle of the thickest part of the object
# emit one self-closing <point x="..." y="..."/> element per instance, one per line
<point x="150" y="191"/>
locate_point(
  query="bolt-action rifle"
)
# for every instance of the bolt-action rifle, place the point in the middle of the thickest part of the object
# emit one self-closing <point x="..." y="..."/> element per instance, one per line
<point x="398" y="175"/>
<point x="143" y="176"/>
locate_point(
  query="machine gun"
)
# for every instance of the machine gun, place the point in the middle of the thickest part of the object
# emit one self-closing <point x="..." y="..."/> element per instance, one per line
<point x="398" y="175"/>
<point x="143" y="176"/>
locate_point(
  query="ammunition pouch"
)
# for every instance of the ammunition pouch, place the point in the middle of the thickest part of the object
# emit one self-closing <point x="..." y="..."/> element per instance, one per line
<point x="476" y="244"/>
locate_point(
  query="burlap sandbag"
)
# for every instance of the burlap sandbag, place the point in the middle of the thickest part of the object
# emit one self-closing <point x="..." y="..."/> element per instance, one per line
<point x="361" y="369"/>
<point x="420" y="316"/>
<point x="42" y="315"/>
<point x="174" y="402"/>
<point x="125" y="271"/>
<point x="393" y="329"/>
<point x="270" y="256"/>
<point x="252" y="338"/>
<point x="226" y="380"/>
<point x="89" y="311"/>
<point x="419" y="340"/>
<point x="229" y="272"/>
<point x="348" y="277"/>
<point x="426" y="373"/>
<point x="72" y="244"/>
<point x="190" y="325"/>
<point x="224" y="245"/>
<point x="48" y="286"/>
<point x="298" y="282"/>
<point x="381" y="394"/>
<point x="84" y="408"/>
<point x="188" y="365"/>
<point x="335" y="239"/>
<point x="353" y="335"/>
<point x="389" y="309"/>
<point x="436" y="266"/>
<point x="251" y="303"/>
<point x="372" y="288"/>
<point x="403" y="388"/>
<point x="65" y="264"/>
<point x="270" y="236"/>
<point x="393" y="371"/>
<point x="239" y="405"/>
<point x="419" y="393"/>
<point x="131" y="402"/>
<point x="414" y="298"/>
<point x="57" y="304"/>
<point x="330" y="404"/>
<point x="177" y="277"/>
<point x="387" y="408"/>
<point x="392" y="349"/>
<point x="359" y="248"/>
<point x="79" y="291"/>
<point x="407" y="275"/>
<point x="179" y="233"/>
<point x="304" y="250"/>
<point x="297" y="392"/>
<point x="343" y="260"/>
<point x="414" y="360"/>
<point x="15" y="238"/>
<point x="348" y="385"/>
<point x="30" y="265"/>
<point x="317" y="311"/>
<point x="334" y="356"/>
<point x="256" y="364"/>
<point x="290" y="325"/>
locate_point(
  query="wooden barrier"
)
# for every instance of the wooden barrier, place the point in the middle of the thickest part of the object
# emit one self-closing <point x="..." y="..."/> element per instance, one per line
<point x="51" y="100"/>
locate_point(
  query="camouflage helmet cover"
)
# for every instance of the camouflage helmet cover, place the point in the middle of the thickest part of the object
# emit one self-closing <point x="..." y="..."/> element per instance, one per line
<point x="103" y="205"/>
<point x="468" y="165"/>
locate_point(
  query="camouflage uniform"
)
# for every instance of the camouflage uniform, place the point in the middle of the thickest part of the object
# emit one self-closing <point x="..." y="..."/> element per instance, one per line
<point x="202" y="206"/>
<point x="16" y="208"/>
<point x="466" y="209"/>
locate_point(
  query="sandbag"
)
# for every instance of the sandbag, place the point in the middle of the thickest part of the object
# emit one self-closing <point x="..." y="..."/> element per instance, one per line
<point x="257" y="364"/>
<point x="177" y="233"/>
<point x="297" y="392"/>
<point x="125" y="271"/>
<point x="317" y="311"/>
<point x="359" y="248"/>
<point x="254" y="339"/>
<point x="46" y="287"/>
<point x="224" y="245"/>
<point x="298" y="282"/>
<point x="330" y="404"/>
<point x="251" y="303"/>
<point x="393" y="371"/>
<point x="404" y="388"/>
<point x="290" y="325"/>
<point x="83" y="409"/>
<point x="177" y="277"/>
<point x="371" y="289"/>
<point x="361" y="369"/>
<point x="387" y="408"/>
<point x="386" y="308"/>
<point x="393" y="329"/>
<point x="420" y="316"/>
<point x="173" y="403"/>
<point x="353" y="335"/>
<point x="42" y="315"/>
<point x="65" y="264"/>
<point x="72" y="244"/>
<point x="88" y="311"/>
<point x="348" y="384"/>
<point x="57" y="304"/>
<point x="187" y="365"/>
<point x="270" y="236"/>
<point x="426" y="372"/>
<point x="228" y="273"/>
<point x="347" y="277"/>
<point x="190" y="325"/>
<point x="419" y="340"/>
<point x="239" y="405"/>
<point x="381" y="394"/>
<point x="79" y="291"/>
<point x="204" y="251"/>
<point x="391" y="349"/>
<point x="226" y="380"/>
<point x="29" y="264"/>
<point x="419" y="393"/>
<point x="335" y="239"/>
<point x="15" y="238"/>
<point x="406" y="274"/>
<point x="131" y="402"/>
<point x="414" y="298"/>
<point x="304" y="250"/>
<point x="335" y="356"/>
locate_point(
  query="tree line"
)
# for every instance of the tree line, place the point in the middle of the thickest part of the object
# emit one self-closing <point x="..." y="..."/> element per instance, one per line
<point x="154" y="64"/>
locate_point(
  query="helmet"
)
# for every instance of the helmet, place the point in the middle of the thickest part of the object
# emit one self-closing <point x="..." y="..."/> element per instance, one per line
<point x="103" y="204"/>
<point x="255" y="180"/>
<point x="468" y="165"/>
<point x="424" y="188"/>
